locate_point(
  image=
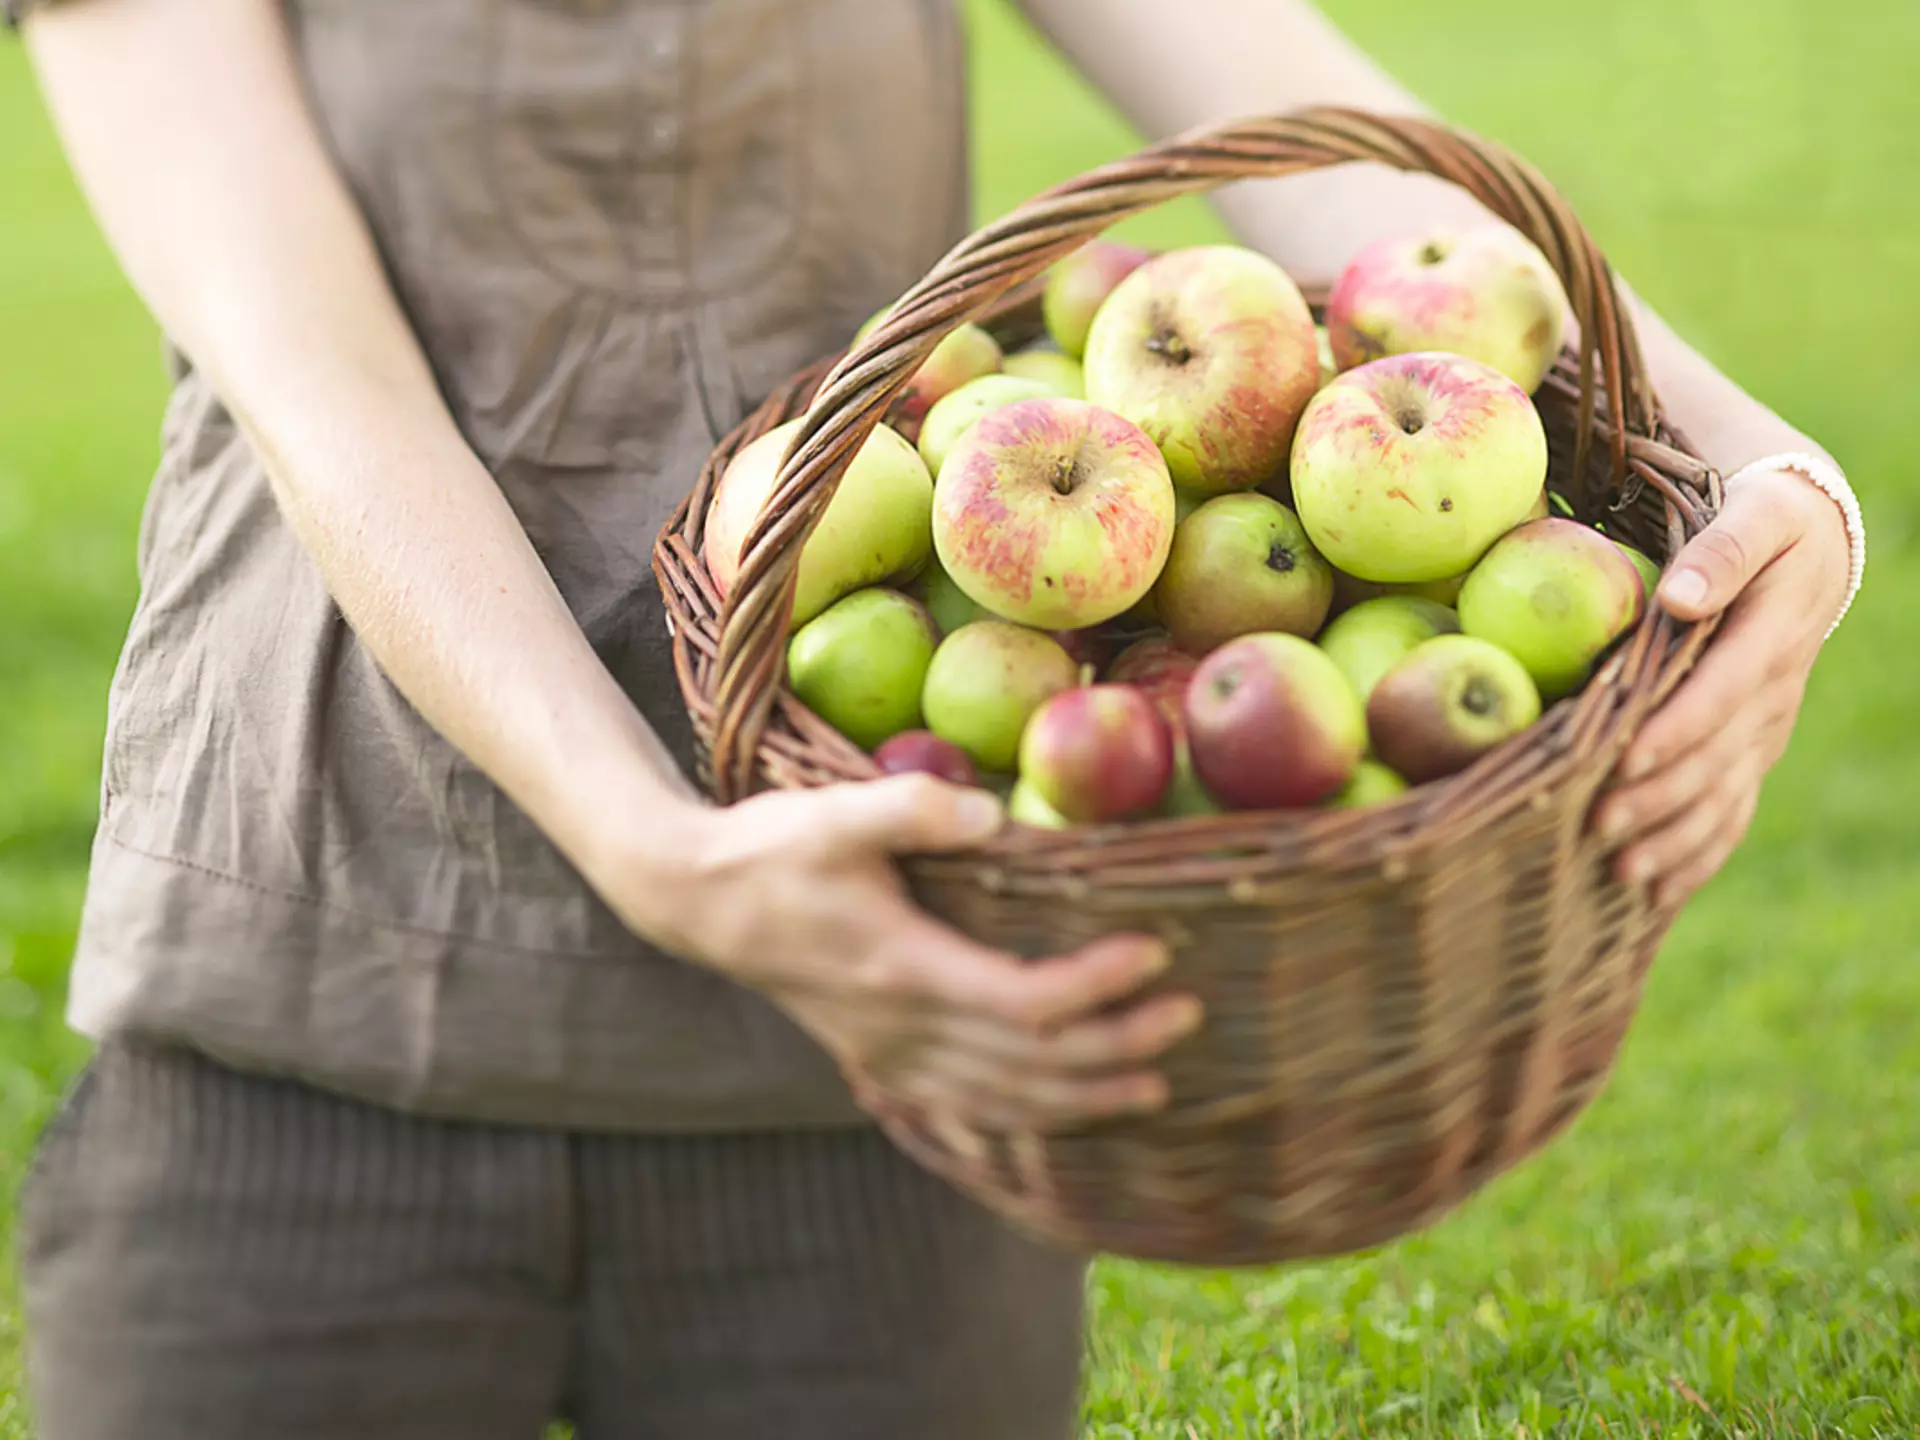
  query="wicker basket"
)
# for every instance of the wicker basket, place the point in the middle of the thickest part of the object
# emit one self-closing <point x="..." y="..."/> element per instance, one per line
<point x="1403" y="1001"/>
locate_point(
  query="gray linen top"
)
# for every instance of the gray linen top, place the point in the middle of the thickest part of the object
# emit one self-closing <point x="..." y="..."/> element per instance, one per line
<point x="615" y="224"/>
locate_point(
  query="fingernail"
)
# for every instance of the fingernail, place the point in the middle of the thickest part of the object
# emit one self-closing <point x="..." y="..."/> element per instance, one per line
<point x="1637" y="764"/>
<point x="1187" y="1017"/>
<point x="978" y="812"/>
<point x="1639" y="869"/>
<point x="1150" y="1095"/>
<point x="1685" y="587"/>
<point x="1615" y="824"/>
<point x="1156" y="957"/>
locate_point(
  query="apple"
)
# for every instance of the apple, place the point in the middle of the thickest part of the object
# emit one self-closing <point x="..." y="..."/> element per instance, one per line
<point x="923" y="752"/>
<point x="1272" y="724"/>
<point x="952" y="415"/>
<point x="1160" y="668"/>
<point x="1210" y="350"/>
<point x="1409" y="468"/>
<point x="1376" y="635"/>
<point x="1089" y="648"/>
<point x="1079" y="285"/>
<point x="1485" y="292"/>
<point x="1186" y="796"/>
<point x="1241" y="564"/>
<point x="1323" y="346"/>
<point x="1061" y="374"/>
<point x="1555" y="595"/>
<point x="1025" y="806"/>
<point x="1053" y="513"/>
<point x="1649" y="572"/>
<point x="1446" y="704"/>
<point x="985" y="681"/>
<point x="1098" y="753"/>
<point x="1542" y="507"/>
<point x="1372" y="784"/>
<point x="862" y="663"/>
<point x="967" y="353"/>
<point x="875" y="529"/>
<point x="949" y="605"/>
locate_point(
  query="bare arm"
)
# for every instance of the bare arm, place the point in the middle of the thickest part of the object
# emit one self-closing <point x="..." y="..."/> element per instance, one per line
<point x="1776" y="561"/>
<point x="187" y="128"/>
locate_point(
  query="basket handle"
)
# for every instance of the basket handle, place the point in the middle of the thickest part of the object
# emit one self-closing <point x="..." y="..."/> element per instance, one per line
<point x="1020" y="245"/>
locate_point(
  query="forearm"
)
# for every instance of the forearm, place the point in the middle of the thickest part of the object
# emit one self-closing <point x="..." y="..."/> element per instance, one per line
<point x="1271" y="56"/>
<point x="186" y="128"/>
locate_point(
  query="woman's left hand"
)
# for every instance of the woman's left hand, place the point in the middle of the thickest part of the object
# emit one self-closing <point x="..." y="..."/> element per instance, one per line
<point x="1776" y="561"/>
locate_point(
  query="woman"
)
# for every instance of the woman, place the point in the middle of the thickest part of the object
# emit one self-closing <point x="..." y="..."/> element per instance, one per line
<point x="458" y="1070"/>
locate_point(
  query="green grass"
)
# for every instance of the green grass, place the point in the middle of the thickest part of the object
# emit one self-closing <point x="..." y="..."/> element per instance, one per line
<point x="1727" y="1244"/>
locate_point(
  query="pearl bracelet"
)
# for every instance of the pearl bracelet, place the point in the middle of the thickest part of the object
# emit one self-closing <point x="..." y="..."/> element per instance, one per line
<point x="1827" y="478"/>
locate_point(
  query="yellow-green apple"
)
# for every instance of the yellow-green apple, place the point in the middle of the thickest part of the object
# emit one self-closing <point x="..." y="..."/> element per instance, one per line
<point x="1098" y="753"/>
<point x="1408" y="468"/>
<point x="1026" y="807"/>
<point x="1649" y="572"/>
<point x="1079" y="285"/>
<point x="1450" y="701"/>
<point x="1241" y="564"/>
<point x="1061" y="374"/>
<point x="949" y="605"/>
<point x="876" y="529"/>
<point x="1485" y="292"/>
<point x="967" y="353"/>
<point x="1323" y="347"/>
<point x="1272" y="724"/>
<point x="1186" y="796"/>
<point x="953" y="415"/>
<point x="985" y="681"/>
<point x="1542" y="507"/>
<point x="1053" y="513"/>
<point x="1210" y="350"/>
<point x="1372" y="784"/>
<point x="862" y="663"/>
<point x="1375" y="635"/>
<point x="1555" y="595"/>
<point x="925" y="753"/>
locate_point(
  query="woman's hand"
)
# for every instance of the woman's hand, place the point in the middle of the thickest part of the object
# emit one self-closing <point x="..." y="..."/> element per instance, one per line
<point x="1776" y="562"/>
<point x="795" y="894"/>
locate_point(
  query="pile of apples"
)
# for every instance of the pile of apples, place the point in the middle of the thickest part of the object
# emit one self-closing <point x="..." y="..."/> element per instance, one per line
<point x="1198" y="553"/>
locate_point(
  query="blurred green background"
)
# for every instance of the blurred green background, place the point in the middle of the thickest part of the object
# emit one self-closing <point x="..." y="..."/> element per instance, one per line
<point x="1727" y="1244"/>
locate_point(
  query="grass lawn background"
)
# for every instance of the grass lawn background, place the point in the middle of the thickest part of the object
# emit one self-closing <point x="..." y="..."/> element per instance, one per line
<point x="1727" y="1243"/>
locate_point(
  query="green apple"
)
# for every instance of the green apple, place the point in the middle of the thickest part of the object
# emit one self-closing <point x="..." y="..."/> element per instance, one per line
<point x="1186" y="796"/>
<point x="1061" y="374"/>
<point x="1323" y="346"/>
<point x="1649" y="572"/>
<point x="967" y="353"/>
<point x="861" y="665"/>
<point x="952" y="415"/>
<point x="1079" y="285"/>
<point x="949" y="605"/>
<point x="1210" y="350"/>
<point x="1053" y="513"/>
<point x="1555" y="595"/>
<point x="984" y="684"/>
<point x="1372" y="784"/>
<point x="1241" y="564"/>
<point x="876" y="529"/>
<point x="1450" y="701"/>
<point x="1486" y="292"/>
<point x="1409" y="468"/>
<point x="1376" y="635"/>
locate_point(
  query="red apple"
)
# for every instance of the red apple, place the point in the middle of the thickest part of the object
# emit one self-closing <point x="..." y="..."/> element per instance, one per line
<point x="1407" y="469"/>
<point x="1452" y="699"/>
<point x="1098" y="754"/>
<point x="1162" y="670"/>
<point x="1211" y="351"/>
<point x="1486" y="293"/>
<point x="926" y="753"/>
<point x="1079" y="285"/>
<point x="1272" y="724"/>
<point x="1053" y="513"/>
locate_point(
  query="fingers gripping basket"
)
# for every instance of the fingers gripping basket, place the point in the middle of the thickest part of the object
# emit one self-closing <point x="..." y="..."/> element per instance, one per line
<point x="1403" y="1001"/>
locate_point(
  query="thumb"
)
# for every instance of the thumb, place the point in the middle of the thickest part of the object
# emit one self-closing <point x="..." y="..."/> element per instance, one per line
<point x="1721" y="561"/>
<point x="906" y="813"/>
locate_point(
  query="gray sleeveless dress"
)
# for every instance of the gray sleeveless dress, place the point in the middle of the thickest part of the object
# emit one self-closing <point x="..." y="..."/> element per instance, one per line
<point x="615" y="224"/>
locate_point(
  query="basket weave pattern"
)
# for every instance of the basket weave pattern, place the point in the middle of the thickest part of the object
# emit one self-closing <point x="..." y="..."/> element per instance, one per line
<point x="1401" y="1001"/>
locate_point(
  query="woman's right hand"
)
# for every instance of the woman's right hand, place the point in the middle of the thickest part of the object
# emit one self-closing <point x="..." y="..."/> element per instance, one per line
<point x="795" y="894"/>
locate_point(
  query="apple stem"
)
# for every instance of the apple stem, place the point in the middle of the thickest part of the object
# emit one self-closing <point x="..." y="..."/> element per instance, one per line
<point x="1063" y="476"/>
<point x="1280" y="559"/>
<point x="1169" y="346"/>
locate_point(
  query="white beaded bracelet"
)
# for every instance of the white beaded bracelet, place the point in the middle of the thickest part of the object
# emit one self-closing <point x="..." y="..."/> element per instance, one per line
<point x="1827" y="478"/>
